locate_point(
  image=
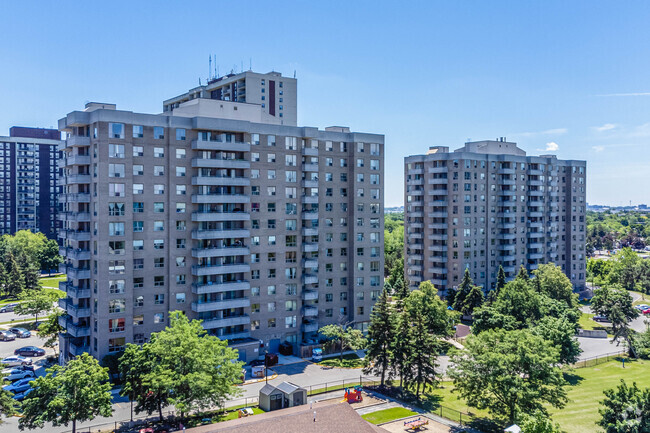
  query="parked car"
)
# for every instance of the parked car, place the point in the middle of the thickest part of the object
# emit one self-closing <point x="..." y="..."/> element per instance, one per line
<point x="256" y="362"/>
<point x="20" y="386"/>
<point x="18" y="367"/>
<point x="7" y="336"/>
<point x="646" y="311"/>
<point x="8" y="308"/>
<point x="21" y="395"/>
<point x="17" y="374"/>
<point x="21" y="332"/>
<point x="29" y="351"/>
<point x="601" y="319"/>
<point x="16" y="360"/>
<point x="642" y="307"/>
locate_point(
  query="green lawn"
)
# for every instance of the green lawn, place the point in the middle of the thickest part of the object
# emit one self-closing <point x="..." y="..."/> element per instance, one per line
<point x="52" y="282"/>
<point x="584" y="393"/>
<point x="587" y="323"/>
<point x="349" y="361"/>
<point x="235" y="414"/>
<point x="386" y="415"/>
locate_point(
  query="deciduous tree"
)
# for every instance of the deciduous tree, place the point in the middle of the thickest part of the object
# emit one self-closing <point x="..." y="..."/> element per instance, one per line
<point x="35" y="302"/>
<point x="344" y="337"/>
<point x="77" y="392"/>
<point x="626" y="409"/>
<point x="50" y="329"/>
<point x="617" y="305"/>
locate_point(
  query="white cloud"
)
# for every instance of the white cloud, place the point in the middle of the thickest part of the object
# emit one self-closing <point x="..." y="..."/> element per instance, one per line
<point x="605" y="127"/>
<point x="627" y="94"/>
<point x="552" y="146"/>
<point x="556" y="131"/>
<point x="598" y="148"/>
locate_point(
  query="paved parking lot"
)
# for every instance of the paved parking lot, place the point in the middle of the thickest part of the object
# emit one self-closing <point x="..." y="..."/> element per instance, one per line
<point x="7" y="349"/>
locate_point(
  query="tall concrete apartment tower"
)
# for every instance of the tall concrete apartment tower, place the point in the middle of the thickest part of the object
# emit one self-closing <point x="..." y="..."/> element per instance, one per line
<point x="29" y="174"/>
<point x="488" y="204"/>
<point x="222" y="209"/>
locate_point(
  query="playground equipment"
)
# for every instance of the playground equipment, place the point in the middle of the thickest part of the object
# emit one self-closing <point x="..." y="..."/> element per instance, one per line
<point x="244" y="412"/>
<point x="353" y="395"/>
<point x="416" y="424"/>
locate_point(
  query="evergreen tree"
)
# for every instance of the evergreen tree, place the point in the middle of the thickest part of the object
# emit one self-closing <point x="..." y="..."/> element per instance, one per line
<point x="464" y="288"/>
<point x="381" y="334"/>
<point x="402" y="347"/>
<point x="501" y="279"/>
<point x="15" y="282"/>
<point x="451" y="296"/>
<point x="491" y="297"/>
<point x="523" y="273"/>
<point x="473" y="300"/>
<point x="422" y="359"/>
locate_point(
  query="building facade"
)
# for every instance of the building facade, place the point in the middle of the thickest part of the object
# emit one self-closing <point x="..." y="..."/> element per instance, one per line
<point x="264" y="231"/>
<point x="487" y="205"/>
<point x="28" y="181"/>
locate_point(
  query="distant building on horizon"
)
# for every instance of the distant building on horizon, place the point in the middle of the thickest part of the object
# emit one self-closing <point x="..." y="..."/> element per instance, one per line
<point x="29" y="174"/>
<point x="487" y="205"/>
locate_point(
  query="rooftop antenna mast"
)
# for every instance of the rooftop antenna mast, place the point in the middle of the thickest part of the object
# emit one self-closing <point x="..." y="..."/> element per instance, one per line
<point x="210" y="68"/>
<point x="250" y="63"/>
<point x="216" y="75"/>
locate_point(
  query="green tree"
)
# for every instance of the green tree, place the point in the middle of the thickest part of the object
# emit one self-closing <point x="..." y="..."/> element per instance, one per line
<point x="381" y="334"/>
<point x="539" y="422"/>
<point x="30" y="272"/>
<point x="35" y="303"/>
<point x="27" y="243"/>
<point x="625" y="409"/>
<point x="555" y="284"/>
<point x="402" y="347"/>
<point x="523" y="274"/>
<point x="396" y="280"/>
<point x="75" y="393"/>
<point x="560" y="332"/>
<point x="473" y="300"/>
<point x="49" y="257"/>
<point x="464" y="288"/>
<point x="344" y="338"/>
<point x="50" y="329"/>
<point x="141" y="383"/>
<point x="623" y="270"/>
<point x="509" y="373"/>
<point x="501" y="279"/>
<point x="617" y="305"/>
<point x="426" y="301"/>
<point x="422" y="360"/>
<point x="14" y="281"/>
<point x="199" y="370"/>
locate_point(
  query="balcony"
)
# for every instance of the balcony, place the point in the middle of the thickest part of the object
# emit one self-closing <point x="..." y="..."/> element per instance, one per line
<point x="74" y="310"/>
<point x="220" y="216"/>
<point x="506" y="247"/>
<point x="74" y="291"/>
<point x="439" y="270"/>
<point x="310" y="295"/>
<point x="535" y="245"/>
<point x="74" y="253"/>
<point x="310" y="184"/>
<point x="506" y="235"/>
<point x="72" y="329"/>
<point x="74" y="179"/>
<point x="415" y="171"/>
<point x="220" y="163"/>
<point x="414" y="268"/>
<point x="198" y="270"/>
<point x="74" y="235"/>
<point x="438" y="215"/>
<point x="437" y="248"/>
<point x="416" y="235"/>
<point x="309" y="215"/>
<point x="310" y="247"/>
<point x="535" y="256"/>
<point x="309" y="199"/>
<point x="74" y="216"/>
<point x="220" y="252"/>
<point x="309" y="151"/>
<point x="310" y="279"/>
<point x="72" y="160"/>
<point x="310" y="263"/>
<point x="310" y="327"/>
<point x="202" y="289"/>
<point x="439" y="281"/>
<point x="200" y="307"/>
<point x="76" y="350"/>
<point x="75" y="141"/>
<point x="221" y="145"/>
<point x="74" y="198"/>
<point x="536" y="235"/>
<point x="220" y="198"/>
<point x="228" y="321"/>
<point x="309" y="311"/>
<point x="310" y="231"/>
<point x="506" y="171"/>
<point x="220" y="181"/>
<point x="220" y="234"/>
<point x="536" y="172"/>
<point x="74" y="273"/>
<point x="535" y="183"/>
<point x="506" y="226"/>
<point x="310" y="167"/>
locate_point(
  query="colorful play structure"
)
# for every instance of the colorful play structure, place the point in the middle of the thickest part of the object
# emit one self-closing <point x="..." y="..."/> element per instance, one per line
<point x="353" y="395"/>
<point x="416" y="424"/>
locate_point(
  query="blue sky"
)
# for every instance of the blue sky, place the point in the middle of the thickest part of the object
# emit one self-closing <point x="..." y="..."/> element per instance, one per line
<point x="571" y="76"/>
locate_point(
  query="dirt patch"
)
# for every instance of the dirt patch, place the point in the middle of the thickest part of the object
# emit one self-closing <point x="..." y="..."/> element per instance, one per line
<point x="432" y="427"/>
<point x="368" y="400"/>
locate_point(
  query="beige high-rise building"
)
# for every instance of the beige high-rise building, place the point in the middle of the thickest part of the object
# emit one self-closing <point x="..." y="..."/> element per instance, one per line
<point x="264" y="230"/>
<point x="488" y="204"/>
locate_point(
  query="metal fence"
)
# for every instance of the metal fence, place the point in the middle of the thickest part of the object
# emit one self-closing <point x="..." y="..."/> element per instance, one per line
<point x="598" y="359"/>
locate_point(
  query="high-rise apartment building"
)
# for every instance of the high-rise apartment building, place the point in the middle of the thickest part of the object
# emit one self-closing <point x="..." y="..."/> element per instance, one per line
<point x="488" y="204"/>
<point x="264" y="231"/>
<point x="28" y="180"/>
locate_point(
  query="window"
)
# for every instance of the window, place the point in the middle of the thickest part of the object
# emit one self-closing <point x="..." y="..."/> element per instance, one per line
<point x="180" y="262"/>
<point x="180" y="298"/>
<point x="116" y="305"/>
<point x="374" y="164"/>
<point x="270" y="140"/>
<point x="159" y="189"/>
<point x="138" y="170"/>
<point x="138" y="188"/>
<point x="290" y="176"/>
<point x="138" y="151"/>
<point x="271" y="174"/>
<point x="138" y="207"/>
<point x="116" y="247"/>
<point x="180" y="171"/>
<point x="158" y="152"/>
<point x="180" y="134"/>
<point x="180" y="207"/>
<point x="116" y="151"/>
<point x="180" y="153"/>
<point x="158" y="281"/>
<point x="158" y="317"/>
<point x="116" y="344"/>
<point x="181" y="189"/>
<point x="138" y="226"/>
<point x="158" y="170"/>
<point x="138" y="301"/>
<point x="116" y="189"/>
<point x="138" y="320"/>
<point x="116" y="130"/>
<point x="116" y="209"/>
<point x="159" y="299"/>
<point x="115" y="229"/>
<point x="159" y="207"/>
<point x="138" y="131"/>
<point x="116" y="325"/>
<point x="180" y="279"/>
<point x="255" y="139"/>
<point x="158" y="226"/>
<point x="116" y="286"/>
<point x="158" y="132"/>
<point x="180" y="243"/>
<point x="159" y="244"/>
<point x="115" y="170"/>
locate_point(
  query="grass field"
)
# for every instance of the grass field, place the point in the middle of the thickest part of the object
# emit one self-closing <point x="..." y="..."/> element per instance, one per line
<point x="349" y="361"/>
<point x="386" y="415"/>
<point x="587" y="323"/>
<point x="584" y="393"/>
<point x="52" y="282"/>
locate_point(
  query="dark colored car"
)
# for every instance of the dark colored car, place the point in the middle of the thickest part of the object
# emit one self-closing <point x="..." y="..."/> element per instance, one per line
<point x="256" y="362"/>
<point x="601" y="319"/>
<point x="7" y="336"/>
<point x="7" y="308"/>
<point x="29" y="351"/>
<point x="21" y="332"/>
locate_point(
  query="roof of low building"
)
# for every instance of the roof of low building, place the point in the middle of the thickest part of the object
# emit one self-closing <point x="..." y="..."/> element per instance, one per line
<point x="285" y="387"/>
<point x="331" y="417"/>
